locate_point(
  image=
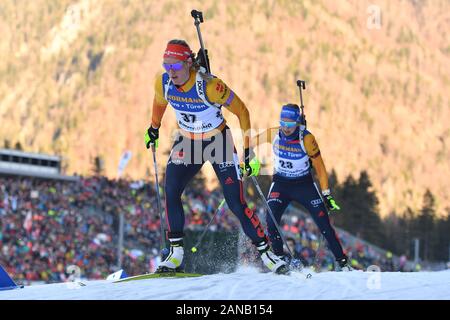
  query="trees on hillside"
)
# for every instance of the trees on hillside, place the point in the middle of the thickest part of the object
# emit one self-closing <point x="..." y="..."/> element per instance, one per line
<point x="359" y="215"/>
<point x="359" y="205"/>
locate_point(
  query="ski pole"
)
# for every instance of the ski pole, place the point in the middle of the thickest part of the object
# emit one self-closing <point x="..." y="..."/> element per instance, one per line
<point x="258" y="188"/>
<point x="198" y="18"/>
<point x="158" y="200"/>
<point x="194" y="248"/>
<point x="321" y="240"/>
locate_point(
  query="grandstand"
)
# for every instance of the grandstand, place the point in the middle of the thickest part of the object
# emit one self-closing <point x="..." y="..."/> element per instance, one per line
<point x="19" y="163"/>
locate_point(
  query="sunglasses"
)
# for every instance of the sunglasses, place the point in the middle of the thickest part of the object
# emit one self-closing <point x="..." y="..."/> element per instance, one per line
<point x="173" y="66"/>
<point x="288" y="124"/>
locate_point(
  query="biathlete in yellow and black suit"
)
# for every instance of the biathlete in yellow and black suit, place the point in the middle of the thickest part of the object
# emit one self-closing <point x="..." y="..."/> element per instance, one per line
<point x="197" y="99"/>
<point x="294" y="150"/>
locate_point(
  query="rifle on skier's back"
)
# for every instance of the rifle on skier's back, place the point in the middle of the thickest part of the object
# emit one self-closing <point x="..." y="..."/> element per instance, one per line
<point x="202" y="59"/>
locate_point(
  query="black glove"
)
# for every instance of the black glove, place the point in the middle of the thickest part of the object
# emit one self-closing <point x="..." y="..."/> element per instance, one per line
<point x="151" y="137"/>
<point x="248" y="154"/>
<point x="247" y="168"/>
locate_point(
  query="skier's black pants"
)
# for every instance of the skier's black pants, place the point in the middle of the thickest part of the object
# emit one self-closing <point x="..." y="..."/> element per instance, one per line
<point x="186" y="159"/>
<point x="304" y="192"/>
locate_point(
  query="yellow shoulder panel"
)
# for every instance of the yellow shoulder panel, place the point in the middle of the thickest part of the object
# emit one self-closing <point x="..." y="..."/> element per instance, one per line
<point x="217" y="91"/>
<point x="311" y="145"/>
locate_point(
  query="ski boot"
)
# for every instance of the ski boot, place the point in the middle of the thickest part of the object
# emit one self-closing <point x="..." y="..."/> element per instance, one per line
<point x="344" y="265"/>
<point x="173" y="262"/>
<point x="271" y="260"/>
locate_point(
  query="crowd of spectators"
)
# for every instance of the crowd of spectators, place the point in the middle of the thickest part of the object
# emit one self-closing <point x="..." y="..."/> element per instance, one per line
<point x="310" y="247"/>
<point x="48" y="225"/>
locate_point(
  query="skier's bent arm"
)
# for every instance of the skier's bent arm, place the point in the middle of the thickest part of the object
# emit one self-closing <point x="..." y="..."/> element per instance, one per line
<point x="218" y="92"/>
<point x="312" y="148"/>
<point x="238" y="108"/>
<point x="159" y="103"/>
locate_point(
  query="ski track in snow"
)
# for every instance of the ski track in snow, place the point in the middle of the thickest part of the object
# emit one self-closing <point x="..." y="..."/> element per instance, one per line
<point x="249" y="284"/>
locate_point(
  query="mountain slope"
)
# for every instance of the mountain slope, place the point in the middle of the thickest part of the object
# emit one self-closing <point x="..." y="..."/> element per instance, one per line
<point x="76" y="79"/>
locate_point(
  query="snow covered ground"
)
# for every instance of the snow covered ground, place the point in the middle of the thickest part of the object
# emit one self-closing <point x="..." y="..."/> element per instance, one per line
<point x="248" y="284"/>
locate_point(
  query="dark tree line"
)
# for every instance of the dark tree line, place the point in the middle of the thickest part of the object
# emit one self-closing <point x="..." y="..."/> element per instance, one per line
<point x="396" y="232"/>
